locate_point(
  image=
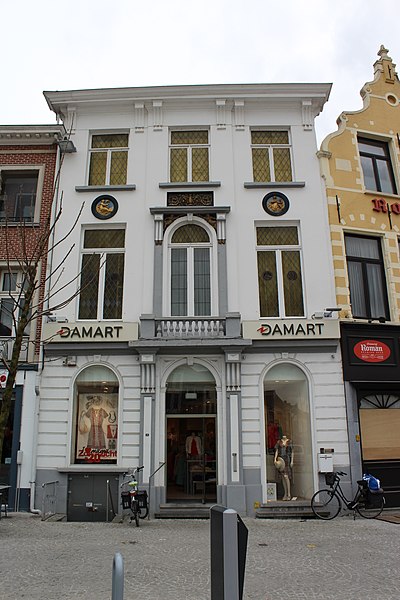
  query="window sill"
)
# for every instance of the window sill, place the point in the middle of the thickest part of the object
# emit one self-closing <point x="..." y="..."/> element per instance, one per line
<point x="384" y="194"/>
<point x="105" y="188"/>
<point x="189" y="184"/>
<point x="273" y="184"/>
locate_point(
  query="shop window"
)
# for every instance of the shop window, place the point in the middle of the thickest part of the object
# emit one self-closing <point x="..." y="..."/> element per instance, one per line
<point x="102" y="274"/>
<point x="18" y="190"/>
<point x="376" y="166"/>
<point x="191" y="271"/>
<point x="108" y="159"/>
<point x="95" y="433"/>
<point x="189" y="156"/>
<point x="280" y="283"/>
<point x="271" y="154"/>
<point x="288" y="433"/>
<point x="368" y="295"/>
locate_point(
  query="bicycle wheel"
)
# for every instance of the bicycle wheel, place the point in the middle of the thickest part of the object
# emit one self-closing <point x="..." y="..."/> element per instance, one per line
<point x="325" y="505"/>
<point x="370" y="510"/>
<point x="143" y="512"/>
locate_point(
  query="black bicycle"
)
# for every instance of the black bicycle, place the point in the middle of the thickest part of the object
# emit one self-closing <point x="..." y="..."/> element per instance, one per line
<point x="134" y="499"/>
<point x="327" y="504"/>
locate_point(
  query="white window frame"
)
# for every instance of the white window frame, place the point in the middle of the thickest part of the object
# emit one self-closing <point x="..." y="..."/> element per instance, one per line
<point x="189" y="148"/>
<point x="167" y="267"/>
<point x="270" y="148"/>
<point x="40" y="169"/>
<point x="279" y="270"/>
<point x="102" y="274"/>
<point x="12" y="294"/>
<point x="109" y="153"/>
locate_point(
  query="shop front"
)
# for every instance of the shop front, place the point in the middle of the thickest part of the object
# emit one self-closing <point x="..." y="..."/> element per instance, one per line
<point x="371" y="366"/>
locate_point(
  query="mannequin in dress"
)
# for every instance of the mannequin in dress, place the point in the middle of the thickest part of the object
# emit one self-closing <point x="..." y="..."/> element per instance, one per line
<point x="283" y="461"/>
<point x="193" y="445"/>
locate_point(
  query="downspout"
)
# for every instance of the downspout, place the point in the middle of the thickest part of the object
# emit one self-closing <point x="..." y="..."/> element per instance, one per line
<point x="54" y="208"/>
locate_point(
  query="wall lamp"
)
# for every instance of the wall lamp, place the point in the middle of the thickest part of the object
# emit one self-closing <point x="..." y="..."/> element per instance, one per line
<point x="66" y="146"/>
<point x="326" y="313"/>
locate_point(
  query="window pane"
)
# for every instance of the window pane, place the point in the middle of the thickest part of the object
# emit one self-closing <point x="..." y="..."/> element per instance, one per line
<point x="119" y="163"/>
<point x="113" y="286"/>
<point x="202" y="283"/>
<point x="269" y="137"/>
<point x="385" y="179"/>
<point x="179" y="282"/>
<point x="98" y="168"/>
<point x="282" y="166"/>
<point x="104" y="238"/>
<point x="200" y="164"/>
<point x="6" y="320"/>
<point x="190" y="234"/>
<point x="113" y="140"/>
<point x="261" y="167"/>
<point x="18" y="195"/>
<point x="189" y="137"/>
<point x="277" y="236"/>
<point x="9" y="282"/>
<point x="178" y="167"/>
<point x="357" y="292"/>
<point x="89" y="286"/>
<point x="361" y="247"/>
<point x="377" y="294"/>
<point x="267" y="284"/>
<point x="292" y="284"/>
<point x="375" y="149"/>
<point x="368" y="172"/>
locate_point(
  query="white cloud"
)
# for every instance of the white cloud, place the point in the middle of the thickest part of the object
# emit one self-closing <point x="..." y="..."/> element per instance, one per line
<point x="98" y="43"/>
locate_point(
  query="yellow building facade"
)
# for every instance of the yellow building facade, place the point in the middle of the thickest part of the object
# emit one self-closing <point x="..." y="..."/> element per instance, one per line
<point x="360" y="165"/>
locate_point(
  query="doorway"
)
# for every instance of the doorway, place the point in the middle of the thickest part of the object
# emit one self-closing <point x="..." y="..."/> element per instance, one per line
<point x="191" y="444"/>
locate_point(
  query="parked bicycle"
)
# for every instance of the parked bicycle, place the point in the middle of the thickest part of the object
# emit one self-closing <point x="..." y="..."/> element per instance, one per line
<point x="327" y="504"/>
<point x="132" y="498"/>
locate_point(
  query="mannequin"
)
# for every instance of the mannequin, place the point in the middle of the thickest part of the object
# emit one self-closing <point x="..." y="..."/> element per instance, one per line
<point x="193" y="445"/>
<point x="283" y="461"/>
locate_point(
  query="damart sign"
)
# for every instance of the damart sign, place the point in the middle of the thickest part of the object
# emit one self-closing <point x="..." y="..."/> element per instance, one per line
<point x="89" y="332"/>
<point x="286" y="329"/>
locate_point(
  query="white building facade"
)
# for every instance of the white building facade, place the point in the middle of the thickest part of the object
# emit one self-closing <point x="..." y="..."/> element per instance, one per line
<point x="199" y="336"/>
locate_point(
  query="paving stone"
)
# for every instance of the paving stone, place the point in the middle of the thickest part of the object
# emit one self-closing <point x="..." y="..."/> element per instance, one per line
<point x="344" y="559"/>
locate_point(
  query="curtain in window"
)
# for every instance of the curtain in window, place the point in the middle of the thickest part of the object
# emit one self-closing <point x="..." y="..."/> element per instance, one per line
<point x="376" y="291"/>
<point x="357" y="293"/>
<point x="202" y="284"/>
<point x="362" y="247"/>
<point x="178" y="282"/>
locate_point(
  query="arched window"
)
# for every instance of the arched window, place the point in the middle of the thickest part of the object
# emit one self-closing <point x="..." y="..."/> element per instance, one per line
<point x="190" y="267"/>
<point x="287" y="419"/>
<point x="95" y="435"/>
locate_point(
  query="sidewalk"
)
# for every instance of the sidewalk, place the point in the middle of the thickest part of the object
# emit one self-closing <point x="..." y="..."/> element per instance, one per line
<point x="170" y="559"/>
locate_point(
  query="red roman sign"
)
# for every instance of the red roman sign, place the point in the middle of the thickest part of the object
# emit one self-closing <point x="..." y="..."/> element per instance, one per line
<point x="372" y="351"/>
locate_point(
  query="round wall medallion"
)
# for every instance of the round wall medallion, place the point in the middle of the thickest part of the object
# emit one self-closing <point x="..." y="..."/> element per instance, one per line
<point x="104" y="207"/>
<point x="275" y="204"/>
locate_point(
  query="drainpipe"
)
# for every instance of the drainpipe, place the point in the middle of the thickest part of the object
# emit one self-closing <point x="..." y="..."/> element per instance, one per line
<point x="32" y="482"/>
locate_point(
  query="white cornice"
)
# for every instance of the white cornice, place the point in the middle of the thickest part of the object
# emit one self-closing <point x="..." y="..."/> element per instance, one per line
<point x="257" y="92"/>
<point x="30" y="135"/>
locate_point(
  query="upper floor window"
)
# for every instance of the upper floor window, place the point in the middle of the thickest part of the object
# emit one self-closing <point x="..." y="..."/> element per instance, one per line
<point x="271" y="156"/>
<point x="189" y="156"/>
<point x="18" y="190"/>
<point x="102" y="274"/>
<point x="108" y="159"/>
<point x="280" y="285"/>
<point x="190" y="271"/>
<point x="11" y="301"/>
<point x="376" y="166"/>
<point x="368" y="295"/>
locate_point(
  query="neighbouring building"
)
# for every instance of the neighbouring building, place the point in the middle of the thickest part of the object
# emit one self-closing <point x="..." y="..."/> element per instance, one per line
<point x="360" y="165"/>
<point x="204" y="328"/>
<point x="28" y="162"/>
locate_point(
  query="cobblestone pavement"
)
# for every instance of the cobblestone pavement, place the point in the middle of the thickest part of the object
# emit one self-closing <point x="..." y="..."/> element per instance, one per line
<point x="170" y="559"/>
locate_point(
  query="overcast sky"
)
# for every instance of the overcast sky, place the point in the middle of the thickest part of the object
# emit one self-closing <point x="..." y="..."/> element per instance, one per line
<point x="49" y="45"/>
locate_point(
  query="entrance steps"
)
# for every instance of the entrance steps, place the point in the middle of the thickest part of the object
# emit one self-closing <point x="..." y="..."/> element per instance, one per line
<point x="293" y="509"/>
<point x="183" y="511"/>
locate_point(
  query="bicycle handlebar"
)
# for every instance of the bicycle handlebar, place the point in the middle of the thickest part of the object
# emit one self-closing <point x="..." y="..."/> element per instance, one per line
<point x="341" y="473"/>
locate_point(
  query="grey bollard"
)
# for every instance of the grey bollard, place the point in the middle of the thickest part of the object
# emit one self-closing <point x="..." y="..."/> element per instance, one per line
<point x="118" y="577"/>
<point x="228" y="553"/>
